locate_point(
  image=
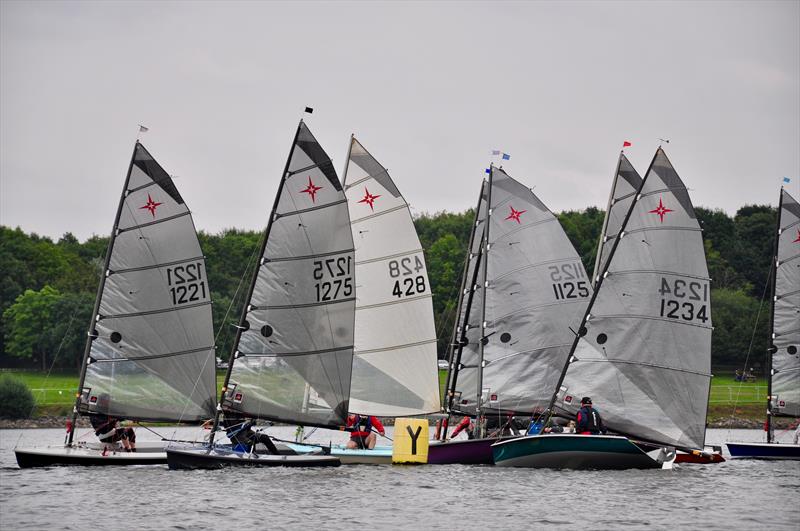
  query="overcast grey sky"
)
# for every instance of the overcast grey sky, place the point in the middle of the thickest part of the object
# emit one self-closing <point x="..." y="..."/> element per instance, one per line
<point x="428" y="88"/>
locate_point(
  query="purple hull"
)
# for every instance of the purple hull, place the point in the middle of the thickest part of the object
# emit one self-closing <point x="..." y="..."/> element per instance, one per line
<point x="466" y="452"/>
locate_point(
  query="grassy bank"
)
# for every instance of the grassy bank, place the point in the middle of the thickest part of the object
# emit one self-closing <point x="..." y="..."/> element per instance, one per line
<point x="54" y="394"/>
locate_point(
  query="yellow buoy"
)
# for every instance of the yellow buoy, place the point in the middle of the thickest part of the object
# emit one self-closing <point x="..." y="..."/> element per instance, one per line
<point x="410" y="441"/>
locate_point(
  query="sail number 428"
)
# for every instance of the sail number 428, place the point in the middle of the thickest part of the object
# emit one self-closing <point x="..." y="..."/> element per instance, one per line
<point x="409" y="282"/>
<point x="685" y="300"/>
<point x="187" y="284"/>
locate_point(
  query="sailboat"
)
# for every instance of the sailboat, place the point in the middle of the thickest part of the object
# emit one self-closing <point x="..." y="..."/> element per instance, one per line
<point x="295" y="335"/>
<point x="150" y="348"/>
<point x="783" y="360"/>
<point x="523" y="288"/>
<point x="643" y="349"/>
<point x="394" y="363"/>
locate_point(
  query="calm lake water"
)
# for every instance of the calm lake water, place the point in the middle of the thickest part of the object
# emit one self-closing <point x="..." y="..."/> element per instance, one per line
<point x="731" y="495"/>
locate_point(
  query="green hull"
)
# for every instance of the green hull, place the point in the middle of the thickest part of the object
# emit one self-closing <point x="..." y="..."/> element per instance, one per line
<point x="577" y="452"/>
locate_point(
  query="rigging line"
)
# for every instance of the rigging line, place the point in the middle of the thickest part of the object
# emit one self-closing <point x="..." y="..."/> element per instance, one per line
<point x="750" y="347"/>
<point x="55" y="356"/>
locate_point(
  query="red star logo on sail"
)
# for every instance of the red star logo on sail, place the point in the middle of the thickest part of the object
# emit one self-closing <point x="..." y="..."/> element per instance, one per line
<point x="515" y="214"/>
<point x="369" y="199"/>
<point x="311" y="190"/>
<point x="798" y="237"/>
<point x="661" y="210"/>
<point x="150" y="205"/>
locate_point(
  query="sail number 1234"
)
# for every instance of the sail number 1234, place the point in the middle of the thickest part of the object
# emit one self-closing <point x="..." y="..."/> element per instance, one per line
<point x="684" y="300"/>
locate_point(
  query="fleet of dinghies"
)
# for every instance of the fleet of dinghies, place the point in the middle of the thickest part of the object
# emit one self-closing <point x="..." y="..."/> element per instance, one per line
<point x="338" y="321"/>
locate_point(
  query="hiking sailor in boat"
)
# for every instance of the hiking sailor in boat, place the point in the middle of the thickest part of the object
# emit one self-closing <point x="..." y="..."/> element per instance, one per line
<point x="588" y="420"/>
<point x="362" y="434"/>
<point x="242" y="436"/>
<point x="105" y="426"/>
<point x="465" y="424"/>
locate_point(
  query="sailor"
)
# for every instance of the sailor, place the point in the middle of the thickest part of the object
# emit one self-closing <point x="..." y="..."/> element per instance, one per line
<point x="362" y="434"/>
<point x="588" y="421"/>
<point x="240" y="431"/>
<point x="105" y="426"/>
<point x="465" y="424"/>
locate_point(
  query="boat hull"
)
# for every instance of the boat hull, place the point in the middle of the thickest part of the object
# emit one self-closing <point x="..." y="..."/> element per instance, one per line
<point x="90" y="454"/>
<point x="764" y="451"/>
<point x="380" y="455"/>
<point x="462" y="452"/>
<point x="699" y="459"/>
<point x="569" y="451"/>
<point x="192" y="458"/>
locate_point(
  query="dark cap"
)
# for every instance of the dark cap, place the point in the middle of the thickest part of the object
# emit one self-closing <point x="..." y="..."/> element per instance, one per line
<point x="586" y="400"/>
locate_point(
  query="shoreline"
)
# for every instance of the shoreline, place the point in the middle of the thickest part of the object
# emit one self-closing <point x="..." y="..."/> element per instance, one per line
<point x="57" y="421"/>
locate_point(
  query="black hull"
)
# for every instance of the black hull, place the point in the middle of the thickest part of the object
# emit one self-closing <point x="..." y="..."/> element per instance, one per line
<point x="26" y="459"/>
<point x="193" y="459"/>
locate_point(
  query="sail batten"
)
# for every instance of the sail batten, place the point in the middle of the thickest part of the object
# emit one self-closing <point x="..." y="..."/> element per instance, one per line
<point x="645" y="354"/>
<point x="394" y="367"/>
<point x="150" y="354"/>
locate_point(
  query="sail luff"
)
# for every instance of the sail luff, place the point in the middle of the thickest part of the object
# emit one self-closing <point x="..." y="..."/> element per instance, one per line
<point x="243" y="317"/>
<point x="455" y="359"/>
<point x="90" y="334"/>
<point x="774" y="272"/>
<point x="600" y="277"/>
<point x="479" y="391"/>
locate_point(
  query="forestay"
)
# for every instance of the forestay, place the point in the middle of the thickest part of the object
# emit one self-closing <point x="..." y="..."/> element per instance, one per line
<point x="646" y="354"/>
<point x="394" y="364"/>
<point x="536" y="293"/>
<point x="786" y="312"/>
<point x="152" y="346"/>
<point x="296" y="341"/>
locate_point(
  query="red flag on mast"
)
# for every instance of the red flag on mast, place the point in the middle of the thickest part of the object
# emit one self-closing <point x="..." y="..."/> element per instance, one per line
<point x="626" y="144"/>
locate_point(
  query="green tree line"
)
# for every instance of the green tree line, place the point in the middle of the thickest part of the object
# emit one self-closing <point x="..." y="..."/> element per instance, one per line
<point x="48" y="287"/>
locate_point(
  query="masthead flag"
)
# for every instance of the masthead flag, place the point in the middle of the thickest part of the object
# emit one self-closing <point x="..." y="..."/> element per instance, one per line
<point x="506" y="156"/>
<point x="626" y="144"/>
<point x="787" y="180"/>
<point x="143" y="129"/>
<point x="309" y="110"/>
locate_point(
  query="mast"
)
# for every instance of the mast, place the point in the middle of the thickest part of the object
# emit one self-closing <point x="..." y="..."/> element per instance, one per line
<point x="771" y="350"/>
<point x="600" y="277"/>
<point x="479" y="426"/>
<point x="601" y="243"/>
<point x="88" y="349"/>
<point x="242" y="319"/>
<point x="452" y="372"/>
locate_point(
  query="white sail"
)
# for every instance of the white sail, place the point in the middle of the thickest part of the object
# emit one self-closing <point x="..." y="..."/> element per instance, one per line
<point x="645" y="352"/>
<point x="296" y="333"/>
<point x="785" y="390"/>
<point x="151" y="350"/>
<point x="394" y="364"/>
<point x="535" y="295"/>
